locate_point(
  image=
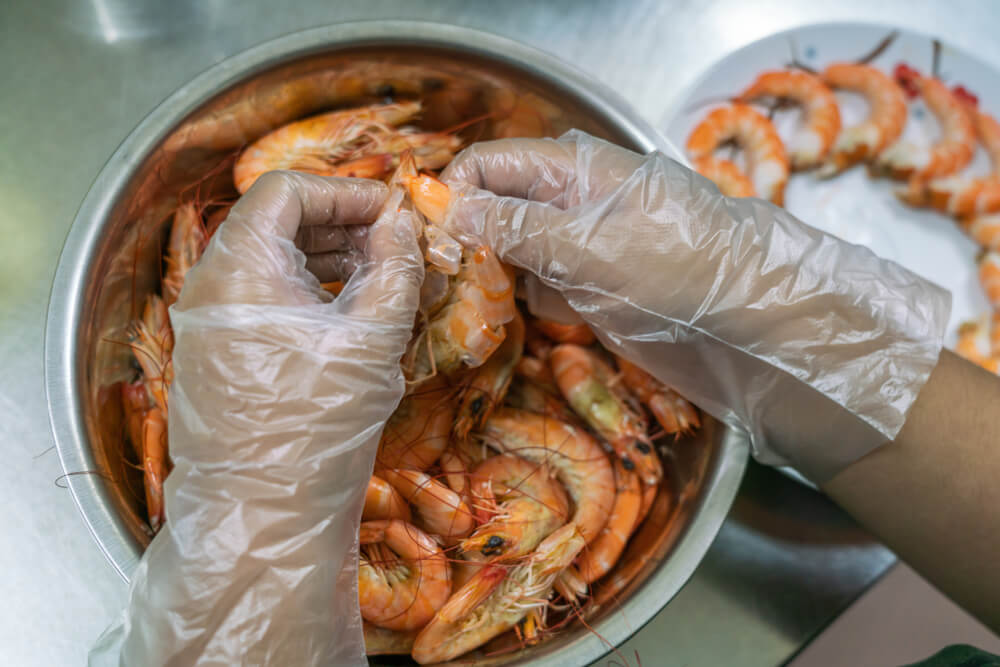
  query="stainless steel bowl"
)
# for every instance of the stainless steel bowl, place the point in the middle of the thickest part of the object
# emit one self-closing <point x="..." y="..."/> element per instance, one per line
<point x="111" y="261"/>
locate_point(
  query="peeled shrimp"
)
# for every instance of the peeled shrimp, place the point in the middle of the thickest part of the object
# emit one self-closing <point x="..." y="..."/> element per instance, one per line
<point x="730" y="180"/>
<point x="602" y="554"/>
<point x="984" y="230"/>
<point x="989" y="276"/>
<point x="978" y="344"/>
<point x="439" y="510"/>
<point x="585" y="381"/>
<point x="403" y="576"/>
<point x="673" y="411"/>
<point x="496" y="599"/>
<point x="822" y="116"/>
<point x="382" y="501"/>
<point x="904" y="161"/>
<point x="765" y="154"/>
<point x="363" y="141"/>
<point x="577" y="459"/>
<point x="884" y="124"/>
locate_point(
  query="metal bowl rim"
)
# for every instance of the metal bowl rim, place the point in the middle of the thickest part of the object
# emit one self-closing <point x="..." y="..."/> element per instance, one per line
<point x="63" y="366"/>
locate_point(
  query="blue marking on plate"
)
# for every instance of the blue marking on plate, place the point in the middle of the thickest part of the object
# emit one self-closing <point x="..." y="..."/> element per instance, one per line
<point x="811" y="52"/>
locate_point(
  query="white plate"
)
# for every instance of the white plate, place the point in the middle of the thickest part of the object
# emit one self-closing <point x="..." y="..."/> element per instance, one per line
<point x="852" y="206"/>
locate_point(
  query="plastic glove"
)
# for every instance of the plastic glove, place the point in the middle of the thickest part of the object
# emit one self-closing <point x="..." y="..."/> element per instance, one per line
<point x="814" y="346"/>
<point x="276" y="409"/>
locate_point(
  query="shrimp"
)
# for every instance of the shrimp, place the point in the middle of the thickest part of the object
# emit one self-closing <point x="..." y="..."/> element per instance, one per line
<point x="331" y="144"/>
<point x="729" y="178"/>
<point x="187" y="242"/>
<point x="382" y="501"/>
<point x="767" y="164"/>
<point x="496" y="599"/>
<point x="984" y="230"/>
<point x="532" y="504"/>
<point x="649" y="492"/>
<point x="152" y="343"/>
<point x="989" y="276"/>
<point x="533" y="398"/>
<point x="822" y="116"/>
<point x="135" y="404"/>
<point x="584" y="380"/>
<point x="579" y="334"/>
<point x="979" y="345"/>
<point x="964" y="196"/>
<point x="675" y="414"/>
<point x="884" y="124"/>
<point x="538" y="373"/>
<point x="418" y="430"/>
<point x="904" y="161"/>
<point x="602" y="554"/>
<point x="403" y="575"/>
<point x="439" y="510"/>
<point x="154" y="465"/>
<point x="490" y="382"/>
<point x="577" y="459"/>
<point x="382" y="641"/>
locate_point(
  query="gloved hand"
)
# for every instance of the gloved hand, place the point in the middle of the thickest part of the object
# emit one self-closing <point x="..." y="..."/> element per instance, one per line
<point x="276" y="408"/>
<point x="816" y="347"/>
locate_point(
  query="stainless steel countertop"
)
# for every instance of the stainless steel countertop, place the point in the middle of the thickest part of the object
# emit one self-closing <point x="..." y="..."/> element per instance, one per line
<point x="78" y="76"/>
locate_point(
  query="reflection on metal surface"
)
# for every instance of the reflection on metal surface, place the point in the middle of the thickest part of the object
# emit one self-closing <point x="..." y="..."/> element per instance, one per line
<point x="112" y="260"/>
<point x="112" y="21"/>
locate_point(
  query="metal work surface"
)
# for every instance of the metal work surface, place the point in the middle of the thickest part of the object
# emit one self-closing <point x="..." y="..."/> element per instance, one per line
<point x="78" y="76"/>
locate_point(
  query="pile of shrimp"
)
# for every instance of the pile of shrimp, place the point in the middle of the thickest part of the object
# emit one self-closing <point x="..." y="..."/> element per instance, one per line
<point x="934" y="176"/>
<point x="523" y="455"/>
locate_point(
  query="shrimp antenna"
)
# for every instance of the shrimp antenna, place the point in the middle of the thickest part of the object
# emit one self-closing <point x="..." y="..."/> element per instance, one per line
<point x="936" y="59"/>
<point x="879" y="48"/>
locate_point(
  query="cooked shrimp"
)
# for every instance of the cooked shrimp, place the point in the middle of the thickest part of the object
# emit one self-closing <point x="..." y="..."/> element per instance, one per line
<point x="649" y="492"/>
<point x="152" y="343"/>
<point x="729" y="178"/>
<point x="673" y="411"/>
<point x="533" y="398"/>
<point x="187" y="242"/>
<point x="419" y="429"/>
<point x="819" y="106"/>
<point x="439" y="510"/>
<point x="136" y="402"/>
<point x="584" y="380"/>
<point x="565" y="333"/>
<point x="382" y="501"/>
<point x="490" y="381"/>
<point x="496" y="599"/>
<point x="538" y="373"/>
<point x="904" y="161"/>
<point x="989" y="276"/>
<point x="154" y="465"/>
<point x="403" y="575"/>
<point x="527" y="504"/>
<point x="382" y="641"/>
<point x="767" y="164"/>
<point x="602" y="554"/>
<point x="884" y="124"/>
<point x="984" y="230"/>
<point x="577" y="459"/>
<point x="330" y="144"/>
<point x="977" y="343"/>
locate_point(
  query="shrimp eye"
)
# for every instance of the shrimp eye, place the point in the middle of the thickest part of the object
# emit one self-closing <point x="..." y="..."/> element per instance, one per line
<point x="386" y="90"/>
<point x="627" y="464"/>
<point x="492" y="546"/>
<point x="642" y="447"/>
<point x="477" y="405"/>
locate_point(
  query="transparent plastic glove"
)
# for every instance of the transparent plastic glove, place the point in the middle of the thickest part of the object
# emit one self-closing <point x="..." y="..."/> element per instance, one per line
<point x="814" y="346"/>
<point x="276" y="408"/>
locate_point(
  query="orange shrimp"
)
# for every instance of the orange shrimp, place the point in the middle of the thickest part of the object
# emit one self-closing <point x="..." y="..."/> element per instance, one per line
<point x="382" y="501"/>
<point x="602" y="554"/>
<point x="675" y="414"/>
<point x="989" y="276"/>
<point x="767" y="164"/>
<point x="979" y="345"/>
<point x="584" y="380"/>
<point x="729" y="178"/>
<point x="984" y="230"/>
<point x="496" y="599"/>
<point x="821" y="124"/>
<point x="135" y="404"/>
<point x="154" y="465"/>
<point x="403" y="575"/>
<point x="649" y="492"/>
<point x="419" y="428"/>
<point x="439" y="510"/>
<point x="884" y="124"/>
<point x="904" y="161"/>
<point x="525" y="395"/>
<point x="579" y="334"/>
<point x="187" y="242"/>
<point x="490" y="382"/>
<point x="152" y="343"/>
<point x="527" y="505"/>
<point x="538" y="373"/>
<point x="577" y="459"/>
<point x="323" y="144"/>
